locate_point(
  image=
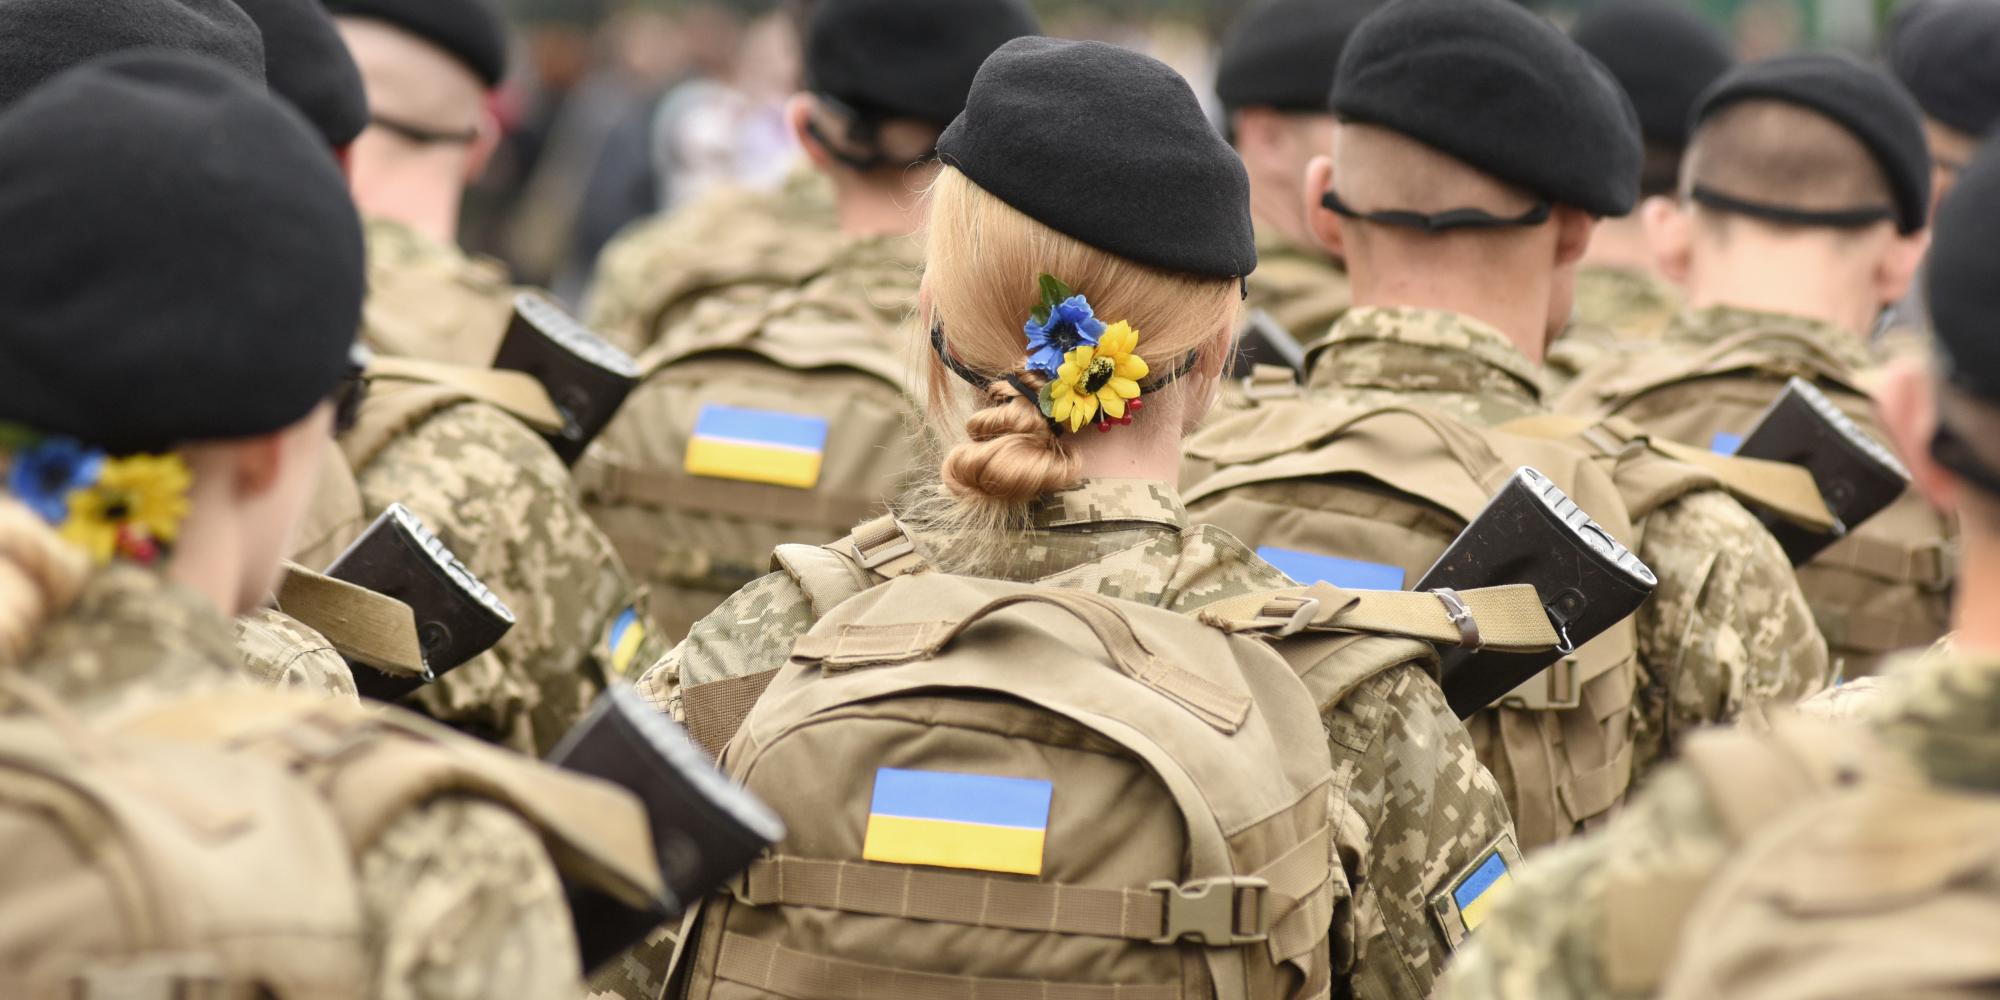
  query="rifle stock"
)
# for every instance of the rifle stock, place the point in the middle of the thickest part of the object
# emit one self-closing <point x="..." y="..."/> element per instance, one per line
<point x="586" y="376"/>
<point x="1855" y="473"/>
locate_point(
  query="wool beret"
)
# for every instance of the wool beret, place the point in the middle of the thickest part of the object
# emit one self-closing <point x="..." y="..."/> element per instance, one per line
<point x="1964" y="276"/>
<point x="185" y="264"/>
<point x="1947" y="52"/>
<point x="471" y="30"/>
<point x="1282" y="54"/>
<point x="907" y="58"/>
<point x="1663" y="53"/>
<point x="1109" y="147"/>
<point x="1501" y="90"/>
<point x="1862" y="99"/>
<point x="307" y="64"/>
<point x="40" y="38"/>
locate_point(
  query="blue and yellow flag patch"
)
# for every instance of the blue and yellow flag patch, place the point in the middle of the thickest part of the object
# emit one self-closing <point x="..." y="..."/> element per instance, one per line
<point x="1478" y="891"/>
<point x="624" y="638"/>
<point x="1353" y="574"/>
<point x="1725" y="443"/>
<point x="971" y="821"/>
<point x="757" y="446"/>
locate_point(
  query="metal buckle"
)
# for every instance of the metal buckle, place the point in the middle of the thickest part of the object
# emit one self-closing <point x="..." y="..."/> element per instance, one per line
<point x="1206" y="911"/>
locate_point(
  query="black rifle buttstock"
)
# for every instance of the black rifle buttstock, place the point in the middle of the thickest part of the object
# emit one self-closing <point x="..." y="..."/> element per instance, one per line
<point x="1856" y="474"/>
<point x="584" y="374"/>
<point x="706" y="828"/>
<point x="1263" y="341"/>
<point x="458" y="618"/>
<point x="1531" y="532"/>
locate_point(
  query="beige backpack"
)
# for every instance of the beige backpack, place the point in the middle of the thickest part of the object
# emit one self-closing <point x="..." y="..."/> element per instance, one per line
<point x="1880" y="590"/>
<point x="784" y="425"/>
<point x="1849" y="876"/>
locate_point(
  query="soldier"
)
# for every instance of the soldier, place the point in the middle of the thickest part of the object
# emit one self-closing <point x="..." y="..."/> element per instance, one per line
<point x="698" y="516"/>
<point x="1459" y="235"/>
<point x="1664" y="54"/>
<point x="1031" y="493"/>
<point x="1836" y="862"/>
<point x="457" y="455"/>
<point x="172" y="336"/>
<point x="1804" y="200"/>
<point x="1273" y="75"/>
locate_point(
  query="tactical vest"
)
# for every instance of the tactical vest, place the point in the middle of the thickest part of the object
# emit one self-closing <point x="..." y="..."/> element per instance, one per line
<point x="994" y="788"/>
<point x="1883" y="588"/>
<point x="745" y="436"/>
<point x="1849" y="875"/>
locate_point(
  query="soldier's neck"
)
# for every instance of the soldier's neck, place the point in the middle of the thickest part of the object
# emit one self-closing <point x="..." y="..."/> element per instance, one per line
<point x="1975" y="627"/>
<point x="1620" y="244"/>
<point x="1148" y="448"/>
<point x="424" y="200"/>
<point x="1517" y="306"/>
<point x="1789" y="277"/>
<point x="867" y="207"/>
<point x="1278" y="209"/>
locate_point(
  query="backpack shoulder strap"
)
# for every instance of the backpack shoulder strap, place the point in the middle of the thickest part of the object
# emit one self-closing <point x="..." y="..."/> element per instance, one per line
<point x="518" y="393"/>
<point x="1507" y="618"/>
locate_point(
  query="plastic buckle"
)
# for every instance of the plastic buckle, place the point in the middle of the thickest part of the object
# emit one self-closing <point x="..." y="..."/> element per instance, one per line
<point x="1300" y="617"/>
<point x="1206" y="911"/>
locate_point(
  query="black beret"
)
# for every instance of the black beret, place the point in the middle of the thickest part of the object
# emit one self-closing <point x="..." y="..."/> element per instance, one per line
<point x="908" y="58"/>
<point x="195" y="269"/>
<point x="1964" y="276"/>
<point x="1109" y="147"/>
<point x="40" y="38"/>
<point x="1948" y="53"/>
<point x="1282" y="54"/>
<point x="1501" y="90"/>
<point x="471" y="30"/>
<point x="1663" y="53"/>
<point x="308" y="65"/>
<point x="1862" y="99"/>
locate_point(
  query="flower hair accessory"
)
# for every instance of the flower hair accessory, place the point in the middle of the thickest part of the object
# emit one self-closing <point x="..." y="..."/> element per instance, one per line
<point x="129" y="507"/>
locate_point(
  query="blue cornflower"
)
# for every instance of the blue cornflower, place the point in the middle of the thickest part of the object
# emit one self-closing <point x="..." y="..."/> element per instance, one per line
<point x="1070" y="325"/>
<point x="42" y="477"/>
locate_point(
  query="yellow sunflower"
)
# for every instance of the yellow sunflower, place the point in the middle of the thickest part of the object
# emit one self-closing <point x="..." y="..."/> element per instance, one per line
<point x="135" y="506"/>
<point x="1098" y="378"/>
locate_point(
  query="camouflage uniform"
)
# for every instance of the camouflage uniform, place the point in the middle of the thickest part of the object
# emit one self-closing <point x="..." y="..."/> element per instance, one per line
<point x="1616" y="307"/>
<point x="1726" y="630"/>
<point x="282" y="652"/>
<point x="1418" y="807"/>
<point x="1301" y="287"/>
<point x="431" y="301"/>
<point x="1545" y="940"/>
<point x="735" y="243"/>
<point x="459" y="896"/>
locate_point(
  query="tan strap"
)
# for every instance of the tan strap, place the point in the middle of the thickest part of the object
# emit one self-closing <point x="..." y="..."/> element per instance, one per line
<point x="715" y="711"/>
<point x="1270" y="382"/>
<point x="883" y="546"/>
<point x="515" y="392"/>
<point x="852" y="646"/>
<point x="1780" y="487"/>
<point x="1508" y="618"/>
<point x="780" y="971"/>
<point x="827" y="575"/>
<point x="364" y="626"/>
<point x="613" y="483"/>
<point x="1930" y="565"/>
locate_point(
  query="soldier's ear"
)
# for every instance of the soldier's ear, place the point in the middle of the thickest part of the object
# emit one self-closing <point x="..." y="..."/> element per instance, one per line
<point x="484" y="144"/>
<point x="1906" y="399"/>
<point x="1897" y="269"/>
<point x="798" y="118"/>
<point x="1325" y="223"/>
<point x="1670" y="235"/>
<point x="1574" y="227"/>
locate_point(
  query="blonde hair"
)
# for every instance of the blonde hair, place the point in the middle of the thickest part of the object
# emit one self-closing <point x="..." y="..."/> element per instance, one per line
<point x="40" y="576"/>
<point x="982" y="265"/>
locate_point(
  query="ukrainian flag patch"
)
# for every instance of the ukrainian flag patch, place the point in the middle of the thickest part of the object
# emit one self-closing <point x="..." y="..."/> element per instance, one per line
<point x="757" y="446"/>
<point x="1353" y="574"/>
<point x="624" y="638"/>
<point x="971" y="821"/>
<point x="1467" y="900"/>
<point x="1725" y="443"/>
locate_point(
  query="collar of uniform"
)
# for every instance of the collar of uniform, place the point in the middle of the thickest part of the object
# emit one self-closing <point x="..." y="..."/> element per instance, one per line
<point x="398" y="245"/>
<point x="1441" y="341"/>
<point x="133" y="633"/>
<point x="1713" y="324"/>
<point x="1943" y="708"/>
<point x="1111" y="503"/>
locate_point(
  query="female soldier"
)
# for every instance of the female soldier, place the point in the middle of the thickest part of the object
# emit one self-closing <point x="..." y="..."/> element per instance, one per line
<point x="175" y="311"/>
<point x="1088" y="242"/>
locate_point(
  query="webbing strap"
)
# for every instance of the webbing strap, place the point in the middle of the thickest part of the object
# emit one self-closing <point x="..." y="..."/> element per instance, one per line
<point x="1931" y="566"/>
<point x="716" y="710"/>
<point x="751" y="501"/>
<point x="362" y="625"/>
<point x="781" y="971"/>
<point x="1507" y="619"/>
<point x="884" y="546"/>
<point x="515" y="392"/>
<point x="971" y="900"/>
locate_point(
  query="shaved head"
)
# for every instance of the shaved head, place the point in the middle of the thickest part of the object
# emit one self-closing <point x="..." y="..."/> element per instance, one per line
<point x="1378" y="170"/>
<point x="1779" y="153"/>
<point x="412" y="81"/>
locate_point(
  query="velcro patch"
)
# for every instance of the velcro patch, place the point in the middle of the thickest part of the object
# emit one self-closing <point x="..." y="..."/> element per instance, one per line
<point x="1350" y="574"/>
<point x="757" y="446"/>
<point x="1468" y="899"/>
<point x="947" y="820"/>
<point x="1725" y="443"/>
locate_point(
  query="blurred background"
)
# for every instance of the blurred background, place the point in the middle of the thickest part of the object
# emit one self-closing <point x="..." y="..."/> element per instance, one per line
<point x="622" y="108"/>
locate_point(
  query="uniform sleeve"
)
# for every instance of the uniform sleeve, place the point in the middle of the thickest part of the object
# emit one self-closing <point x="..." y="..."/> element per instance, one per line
<point x="461" y="902"/>
<point x="1547" y="939"/>
<point x="751" y="633"/>
<point x="1728" y="632"/>
<point x="506" y="506"/>
<point x="282" y="652"/>
<point x="1417" y="808"/>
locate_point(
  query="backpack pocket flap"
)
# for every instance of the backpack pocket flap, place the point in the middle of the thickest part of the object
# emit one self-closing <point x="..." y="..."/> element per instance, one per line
<point x="1882" y="848"/>
<point x="851" y="646"/>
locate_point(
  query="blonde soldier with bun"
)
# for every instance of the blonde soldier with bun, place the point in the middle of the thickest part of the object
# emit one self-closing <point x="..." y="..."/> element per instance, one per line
<point x="1088" y="290"/>
<point x="462" y="458"/>
<point x="786" y="420"/>
<point x="171" y="340"/>
<point x="1461" y="241"/>
<point x="1804" y="202"/>
<point x="1855" y="861"/>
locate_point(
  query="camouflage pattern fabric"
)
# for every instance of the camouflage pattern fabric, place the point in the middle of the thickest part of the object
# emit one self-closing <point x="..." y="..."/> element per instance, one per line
<point x="1544" y="940"/>
<point x="1416" y="806"/>
<point x="1727" y="629"/>
<point x="283" y="652"/>
<point x="1301" y="287"/>
<point x="737" y="244"/>
<point x="431" y="301"/>
<point x="1630" y="304"/>
<point x="505" y="505"/>
<point x="132" y="640"/>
